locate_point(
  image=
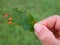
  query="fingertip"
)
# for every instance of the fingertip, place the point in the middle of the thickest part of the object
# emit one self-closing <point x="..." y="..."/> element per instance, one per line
<point x="56" y="16"/>
<point x="37" y="27"/>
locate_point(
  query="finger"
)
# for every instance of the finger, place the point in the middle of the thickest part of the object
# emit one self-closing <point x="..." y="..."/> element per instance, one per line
<point x="53" y="23"/>
<point x="57" y="26"/>
<point x="50" y="22"/>
<point x="45" y="35"/>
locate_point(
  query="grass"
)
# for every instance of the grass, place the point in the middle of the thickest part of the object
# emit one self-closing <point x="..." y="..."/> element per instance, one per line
<point x="24" y="13"/>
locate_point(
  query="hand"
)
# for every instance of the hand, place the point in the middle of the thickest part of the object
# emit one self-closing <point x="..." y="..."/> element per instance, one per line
<point x="48" y="30"/>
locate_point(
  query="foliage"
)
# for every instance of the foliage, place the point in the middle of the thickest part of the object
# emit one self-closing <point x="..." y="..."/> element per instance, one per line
<point x="24" y="14"/>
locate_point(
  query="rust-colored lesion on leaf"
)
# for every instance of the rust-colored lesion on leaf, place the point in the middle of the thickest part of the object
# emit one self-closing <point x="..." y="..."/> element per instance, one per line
<point x="10" y="18"/>
<point x="35" y="21"/>
<point x="5" y="15"/>
<point x="10" y="22"/>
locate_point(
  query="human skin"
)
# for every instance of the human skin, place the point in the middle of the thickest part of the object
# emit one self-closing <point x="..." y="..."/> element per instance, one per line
<point x="48" y="30"/>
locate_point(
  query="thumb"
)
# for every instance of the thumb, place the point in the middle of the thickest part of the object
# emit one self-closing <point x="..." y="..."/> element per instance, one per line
<point x="45" y="35"/>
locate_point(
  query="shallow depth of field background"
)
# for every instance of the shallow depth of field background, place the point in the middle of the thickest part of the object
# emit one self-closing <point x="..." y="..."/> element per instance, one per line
<point x="24" y="14"/>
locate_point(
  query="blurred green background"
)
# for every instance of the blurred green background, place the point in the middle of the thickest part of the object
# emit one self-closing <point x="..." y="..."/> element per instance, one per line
<point x="25" y="14"/>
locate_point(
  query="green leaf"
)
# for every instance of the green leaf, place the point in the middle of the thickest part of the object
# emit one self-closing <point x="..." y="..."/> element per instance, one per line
<point x="20" y="32"/>
<point x="24" y="19"/>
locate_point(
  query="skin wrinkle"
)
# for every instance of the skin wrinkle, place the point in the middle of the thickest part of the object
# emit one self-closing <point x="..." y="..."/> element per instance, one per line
<point x="58" y="23"/>
<point x="56" y="32"/>
<point x="54" y="29"/>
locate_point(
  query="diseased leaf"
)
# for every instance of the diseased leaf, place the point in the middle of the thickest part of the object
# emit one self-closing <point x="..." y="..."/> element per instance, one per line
<point x="17" y="27"/>
<point x="24" y="19"/>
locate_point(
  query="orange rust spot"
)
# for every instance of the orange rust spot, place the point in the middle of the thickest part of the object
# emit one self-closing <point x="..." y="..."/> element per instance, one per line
<point x="35" y="21"/>
<point x="5" y="15"/>
<point x="10" y="18"/>
<point x="9" y="22"/>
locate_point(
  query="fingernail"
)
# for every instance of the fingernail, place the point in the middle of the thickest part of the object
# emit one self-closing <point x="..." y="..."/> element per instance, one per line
<point x="38" y="27"/>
